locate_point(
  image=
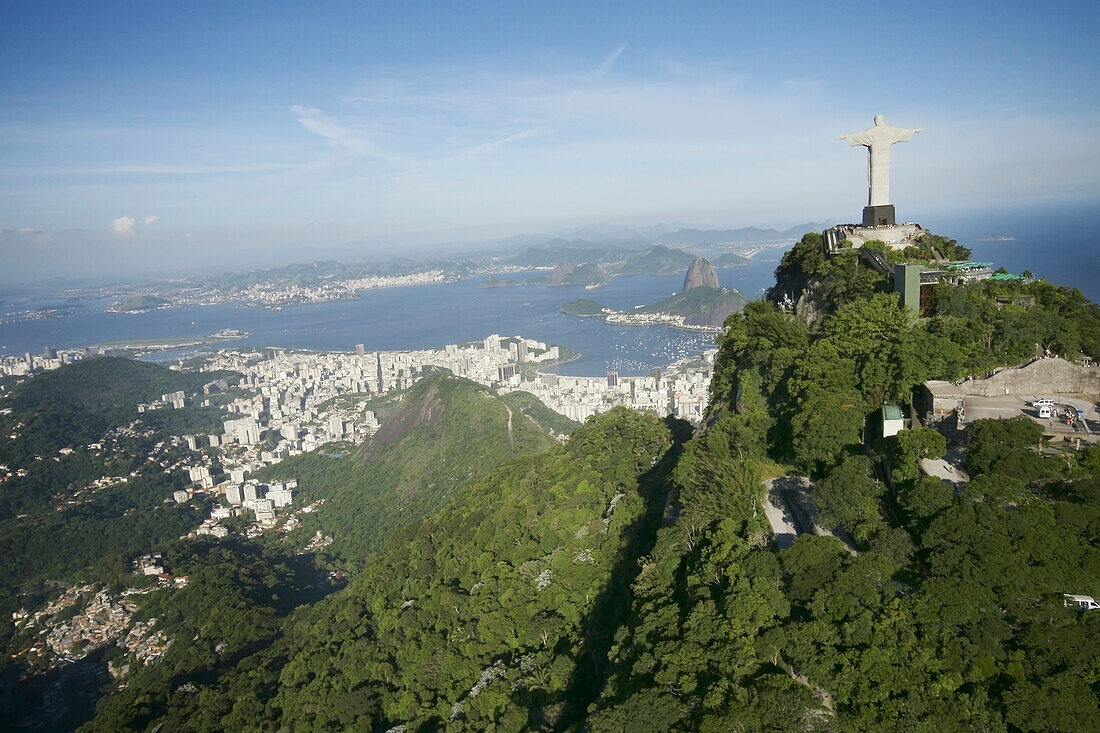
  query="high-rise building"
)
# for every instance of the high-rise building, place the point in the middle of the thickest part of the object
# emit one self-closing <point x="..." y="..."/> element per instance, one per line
<point x="234" y="494"/>
<point x="246" y="430"/>
<point x="265" y="510"/>
<point x="280" y="497"/>
<point x="360" y="349"/>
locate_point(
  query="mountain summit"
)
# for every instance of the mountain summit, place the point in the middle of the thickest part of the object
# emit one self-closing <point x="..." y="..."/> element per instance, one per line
<point x="700" y="274"/>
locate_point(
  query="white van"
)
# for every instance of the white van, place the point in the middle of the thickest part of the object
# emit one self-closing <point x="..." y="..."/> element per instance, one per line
<point x="1081" y="603"/>
<point x="1044" y="410"/>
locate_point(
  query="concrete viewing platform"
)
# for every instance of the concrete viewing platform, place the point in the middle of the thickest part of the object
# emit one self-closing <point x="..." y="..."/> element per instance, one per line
<point x="898" y="236"/>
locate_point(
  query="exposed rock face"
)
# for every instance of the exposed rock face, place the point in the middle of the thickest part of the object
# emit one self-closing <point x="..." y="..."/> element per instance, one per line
<point x="411" y="414"/>
<point x="700" y="274"/>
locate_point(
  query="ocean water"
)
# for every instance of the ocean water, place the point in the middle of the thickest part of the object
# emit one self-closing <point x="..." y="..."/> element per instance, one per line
<point x="1058" y="245"/>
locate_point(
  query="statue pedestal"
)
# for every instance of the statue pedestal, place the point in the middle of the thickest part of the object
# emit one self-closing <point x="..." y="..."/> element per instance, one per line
<point x="878" y="216"/>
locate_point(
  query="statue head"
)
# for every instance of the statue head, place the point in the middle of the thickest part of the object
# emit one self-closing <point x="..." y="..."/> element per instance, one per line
<point x="880" y="120"/>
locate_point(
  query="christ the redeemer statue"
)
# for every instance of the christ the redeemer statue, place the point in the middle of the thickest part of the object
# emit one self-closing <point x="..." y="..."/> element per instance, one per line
<point x="878" y="140"/>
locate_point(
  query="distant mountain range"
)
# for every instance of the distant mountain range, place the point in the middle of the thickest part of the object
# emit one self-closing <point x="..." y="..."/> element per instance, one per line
<point x="613" y="250"/>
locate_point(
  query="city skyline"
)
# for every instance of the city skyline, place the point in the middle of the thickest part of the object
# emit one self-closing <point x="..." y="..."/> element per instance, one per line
<point x="138" y="138"/>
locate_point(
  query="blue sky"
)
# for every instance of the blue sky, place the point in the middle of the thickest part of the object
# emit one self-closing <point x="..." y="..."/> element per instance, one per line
<point x="153" y="135"/>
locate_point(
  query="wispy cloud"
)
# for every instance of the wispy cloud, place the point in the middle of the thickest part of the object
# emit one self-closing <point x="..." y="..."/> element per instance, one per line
<point x="338" y="135"/>
<point x="151" y="219"/>
<point x="494" y="144"/>
<point x="609" y="60"/>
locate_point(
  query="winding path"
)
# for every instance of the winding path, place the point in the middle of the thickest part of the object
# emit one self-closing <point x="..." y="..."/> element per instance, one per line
<point x="511" y="440"/>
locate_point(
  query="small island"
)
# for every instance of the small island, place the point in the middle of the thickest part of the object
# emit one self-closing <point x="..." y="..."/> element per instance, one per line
<point x="585" y="308"/>
<point x="138" y="304"/>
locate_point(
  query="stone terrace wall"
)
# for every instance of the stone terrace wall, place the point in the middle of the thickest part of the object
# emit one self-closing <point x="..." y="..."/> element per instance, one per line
<point x="1040" y="377"/>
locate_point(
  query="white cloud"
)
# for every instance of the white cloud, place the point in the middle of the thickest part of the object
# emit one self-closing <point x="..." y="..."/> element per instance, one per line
<point x="123" y="226"/>
<point x="151" y="219"/>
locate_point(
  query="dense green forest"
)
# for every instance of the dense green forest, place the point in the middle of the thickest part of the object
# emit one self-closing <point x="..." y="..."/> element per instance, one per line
<point x="950" y="616"/>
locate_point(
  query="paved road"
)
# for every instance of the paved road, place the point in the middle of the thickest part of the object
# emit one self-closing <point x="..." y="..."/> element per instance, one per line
<point x="791" y="512"/>
<point x="779" y="513"/>
<point x="511" y="440"/>
<point x="1005" y="406"/>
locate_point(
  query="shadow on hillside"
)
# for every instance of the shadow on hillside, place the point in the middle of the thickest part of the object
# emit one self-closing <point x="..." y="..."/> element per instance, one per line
<point x="61" y="698"/>
<point x="65" y="696"/>
<point x="612" y="606"/>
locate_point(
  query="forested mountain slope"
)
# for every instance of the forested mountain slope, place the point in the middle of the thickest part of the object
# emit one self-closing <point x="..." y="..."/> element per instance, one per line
<point x="495" y="612"/>
<point x="441" y="434"/>
<point x="951" y="615"/>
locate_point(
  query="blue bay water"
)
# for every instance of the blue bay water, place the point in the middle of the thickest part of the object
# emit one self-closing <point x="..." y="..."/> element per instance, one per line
<point x="416" y="317"/>
<point x="1059" y="246"/>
